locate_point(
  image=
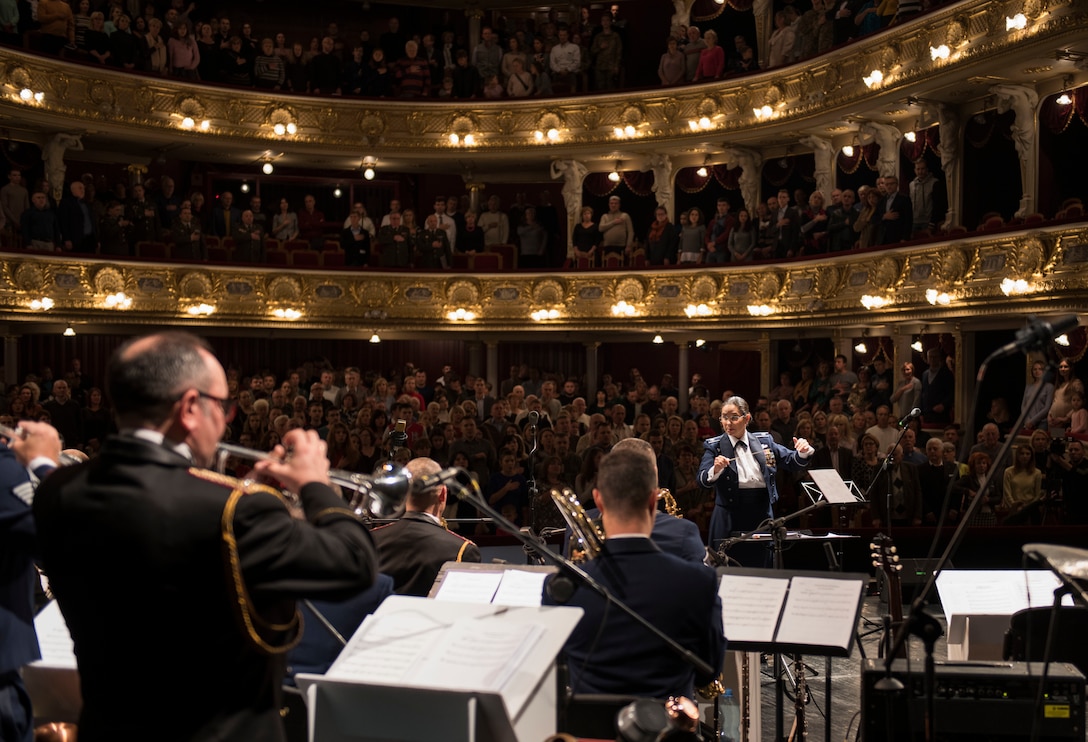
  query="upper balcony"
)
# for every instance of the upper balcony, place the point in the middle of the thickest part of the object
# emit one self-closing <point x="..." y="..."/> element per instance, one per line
<point x="952" y="55"/>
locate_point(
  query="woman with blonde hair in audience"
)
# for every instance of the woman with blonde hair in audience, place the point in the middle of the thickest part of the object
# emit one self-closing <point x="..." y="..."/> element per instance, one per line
<point x="846" y="431"/>
<point x="1022" y="488"/>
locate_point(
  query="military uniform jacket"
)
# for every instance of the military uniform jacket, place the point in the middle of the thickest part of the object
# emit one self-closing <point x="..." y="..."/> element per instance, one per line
<point x="414" y="548"/>
<point x="179" y="590"/>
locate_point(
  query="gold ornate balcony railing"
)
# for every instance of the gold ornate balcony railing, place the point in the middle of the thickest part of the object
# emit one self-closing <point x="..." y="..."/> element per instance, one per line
<point x="963" y="280"/>
<point x="974" y="33"/>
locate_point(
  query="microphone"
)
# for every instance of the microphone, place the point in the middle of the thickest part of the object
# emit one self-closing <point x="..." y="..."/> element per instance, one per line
<point x="916" y="412"/>
<point x="534" y="418"/>
<point x="1036" y="335"/>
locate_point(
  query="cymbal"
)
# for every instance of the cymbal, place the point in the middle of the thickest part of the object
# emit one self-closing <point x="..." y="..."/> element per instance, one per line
<point x="1065" y="560"/>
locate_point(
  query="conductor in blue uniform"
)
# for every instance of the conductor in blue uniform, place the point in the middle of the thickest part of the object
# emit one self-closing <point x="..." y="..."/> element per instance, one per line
<point x="740" y="467"/>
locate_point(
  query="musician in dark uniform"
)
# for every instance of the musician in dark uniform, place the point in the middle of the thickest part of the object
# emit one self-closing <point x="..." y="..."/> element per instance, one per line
<point x="40" y="450"/>
<point x="676" y="596"/>
<point x="737" y="467"/>
<point x="178" y="584"/>
<point x="414" y="548"/>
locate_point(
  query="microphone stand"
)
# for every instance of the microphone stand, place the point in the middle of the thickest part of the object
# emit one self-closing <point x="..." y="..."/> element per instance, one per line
<point x="889" y="458"/>
<point x="533" y="490"/>
<point x="469" y="491"/>
<point x="918" y="622"/>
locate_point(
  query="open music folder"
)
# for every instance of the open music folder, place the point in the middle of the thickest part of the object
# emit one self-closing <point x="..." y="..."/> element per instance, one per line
<point x="785" y="611"/>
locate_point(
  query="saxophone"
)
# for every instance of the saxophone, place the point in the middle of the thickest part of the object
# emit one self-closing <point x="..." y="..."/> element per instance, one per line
<point x="589" y="532"/>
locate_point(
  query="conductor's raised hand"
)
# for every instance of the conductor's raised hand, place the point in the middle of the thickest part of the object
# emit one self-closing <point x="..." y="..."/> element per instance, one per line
<point x="720" y="463"/>
<point x="301" y="460"/>
<point x="803" y="447"/>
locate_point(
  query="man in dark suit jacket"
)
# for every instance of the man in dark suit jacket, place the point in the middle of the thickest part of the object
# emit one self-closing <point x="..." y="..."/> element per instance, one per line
<point x="933" y="479"/>
<point x="78" y="227"/>
<point x="225" y="216"/>
<point x="835" y="456"/>
<point x="787" y="227"/>
<point x="18" y="547"/>
<point x="896" y="214"/>
<point x="736" y="465"/>
<point x="414" y="548"/>
<point x="626" y="658"/>
<point x="248" y="240"/>
<point x="150" y="555"/>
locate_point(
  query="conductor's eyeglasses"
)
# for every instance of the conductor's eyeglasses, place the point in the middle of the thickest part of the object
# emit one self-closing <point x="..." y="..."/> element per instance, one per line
<point x="732" y="418"/>
<point x="229" y="405"/>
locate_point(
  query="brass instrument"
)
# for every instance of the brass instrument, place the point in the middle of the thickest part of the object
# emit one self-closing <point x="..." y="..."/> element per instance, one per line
<point x="370" y="496"/>
<point x="588" y="533"/>
<point x="800" y="722"/>
<point x="671" y="507"/>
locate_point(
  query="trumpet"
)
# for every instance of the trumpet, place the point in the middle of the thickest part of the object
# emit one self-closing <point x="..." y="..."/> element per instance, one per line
<point x="68" y="457"/>
<point x="378" y="497"/>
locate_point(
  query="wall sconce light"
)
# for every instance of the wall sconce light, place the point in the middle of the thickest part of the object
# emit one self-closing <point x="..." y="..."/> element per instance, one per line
<point x="42" y="305"/>
<point x="551" y="135"/>
<point x="623" y="309"/>
<point x="935" y="297"/>
<point x="1062" y="340"/>
<point x="286" y="313"/>
<point x="468" y="140"/>
<point x="337" y="192"/>
<point x="764" y="112"/>
<point x="1018" y="22"/>
<point x="69" y="332"/>
<point x="461" y="315"/>
<point x="658" y="340"/>
<point x="760" y="310"/>
<point x="375" y="339"/>
<point x="244" y="188"/>
<point x="849" y="149"/>
<point x="26" y="95"/>
<point x="702" y="310"/>
<point x="200" y="310"/>
<point x="1065" y="98"/>
<point x="703" y="122"/>
<point x="118" y="301"/>
<point x="939" y="52"/>
<point x="288" y="128"/>
<point x="267" y="168"/>
<point x="615" y="176"/>
<point x="861" y="347"/>
<point x="916" y="346"/>
<point x="1016" y="287"/>
<point x="874" y="302"/>
<point x="873" y="78"/>
<point x="541" y="315"/>
<point x="369" y="163"/>
<point x="699" y="342"/>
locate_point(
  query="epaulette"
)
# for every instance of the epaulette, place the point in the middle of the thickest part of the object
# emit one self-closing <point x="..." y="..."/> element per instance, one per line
<point x="247" y="486"/>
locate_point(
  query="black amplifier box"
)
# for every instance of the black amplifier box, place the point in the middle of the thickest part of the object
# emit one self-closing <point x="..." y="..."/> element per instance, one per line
<point x="974" y="701"/>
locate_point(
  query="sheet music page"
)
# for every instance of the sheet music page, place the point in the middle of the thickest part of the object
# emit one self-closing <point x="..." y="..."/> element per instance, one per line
<point x="520" y="588"/>
<point x="832" y="486"/>
<point x="750" y="606"/>
<point x="820" y="611"/>
<point x="387" y="649"/>
<point x="476" y="654"/>
<point x="53" y="638"/>
<point x="470" y="586"/>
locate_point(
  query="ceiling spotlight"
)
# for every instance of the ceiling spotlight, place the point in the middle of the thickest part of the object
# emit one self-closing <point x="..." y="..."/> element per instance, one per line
<point x="702" y="172"/>
<point x="848" y="150"/>
<point x="861" y="348"/>
<point x="614" y="176"/>
<point x="244" y="188"/>
<point x="699" y="342"/>
<point x="1064" y="99"/>
<point x="369" y="173"/>
<point x="916" y="346"/>
<point x="267" y="168"/>
<point x="337" y="193"/>
<point x="375" y="339"/>
<point x="1062" y="340"/>
<point x="658" y="340"/>
<point x="911" y="137"/>
<point x="69" y="332"/>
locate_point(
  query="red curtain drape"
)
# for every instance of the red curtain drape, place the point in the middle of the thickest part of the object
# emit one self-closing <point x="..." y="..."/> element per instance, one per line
<point x="707" y="10"/>
<point x="598" y="184"/>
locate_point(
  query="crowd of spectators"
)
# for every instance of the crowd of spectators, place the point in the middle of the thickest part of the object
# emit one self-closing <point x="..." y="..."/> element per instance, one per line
<point x="513" y="58"/>
<point x="847" y="414"/>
